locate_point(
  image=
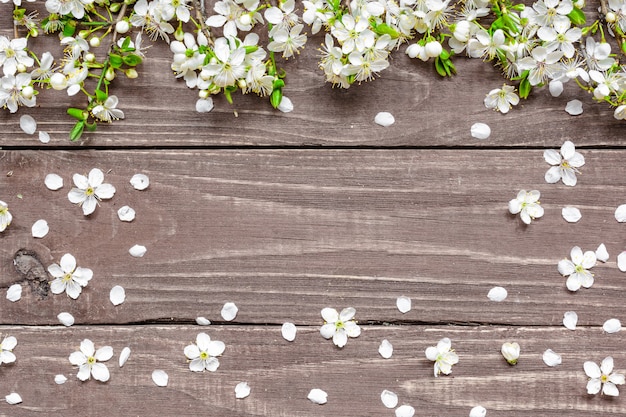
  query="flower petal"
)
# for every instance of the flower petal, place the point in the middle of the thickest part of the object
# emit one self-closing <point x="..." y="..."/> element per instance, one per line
<point x="328" y="330"/>
<point x="96" y="177"/>
<point x="28" y="124"/>
<point x="330" y="315"/>
<point x="105" y="191"/>
<point x="404" y="304"/>
<point x="13" y="398"/>
<point x="553" y="175"/>
<point x="60" y="379"/>
<point x="621" y="261"/>
<point x="100" y="372"/>
<point x="592" y="370"/>
<point x="87" y="347"/>
<point x="229" y="311"/>
<point x="593" y="386"/>
<point x="552" y="157"/>
<point x="140" y="182"/>
<point x="384" y="119"/>
<point x="574" y="107"/>
<point x="14" y="292"/>
<point x="606" y="366"/>
<point x="385" y="349"/>
<point x="601" y="253"/>
<point x="318" y="396"/>
<point x="53" y="182"/>
<point x="117" y="295"/>
<point x="340" y="338"/>
<point x="612" y="326"/>
<point x="610" y="389"/>
<point x="160" y="378"/>
<point x="478" y="411"/>
<point x="126" y="214"/>
<point x="571" y="214"/>
<point x="104" y="353"/>
<point x="288" y="331"/>
<point x="480" y="131"/>
<point x="551" y="358"/>
<point x="242" y="390"/>
<point x="137" y="251"/>
<point x="124" y="355"/>
<point x="215" y="348"/>
<point x="389" y="399"/>
<point x="66" y="319"/>
<point x="202" y="321"/>
<point x="44" y="137"/>
<point x="570" y="319"/>
<point x="405" y="411"/>
<point x="497" y="294"/>
<point x="347" y="313"/>
<point x="620" y="213"/>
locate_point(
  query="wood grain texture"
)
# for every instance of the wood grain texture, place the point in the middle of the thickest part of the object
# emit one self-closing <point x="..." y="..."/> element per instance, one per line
<point x="429" y="111"/>
<point x="281" y="373"/>
<point x="285" y="233"/>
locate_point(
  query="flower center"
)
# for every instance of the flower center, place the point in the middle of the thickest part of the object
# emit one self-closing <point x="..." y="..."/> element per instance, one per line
<point x="604" y="378"/>
<point x="89" y="191"/>
<point x="565" y="165"/>
<point x="91" y="360"/>
<point x="204" y="356"/>
<point x="9" y="53"/>
<point x="579" y="269"/>
<point x="67" y="277"/>
<point x="339" y="325"/>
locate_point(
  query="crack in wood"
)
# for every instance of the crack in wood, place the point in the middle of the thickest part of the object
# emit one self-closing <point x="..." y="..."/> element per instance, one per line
<point x="28" y="265"/>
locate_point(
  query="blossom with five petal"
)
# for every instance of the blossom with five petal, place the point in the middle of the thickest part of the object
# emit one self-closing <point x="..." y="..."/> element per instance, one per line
<point x="603" y="378"/>
<point x="89" y="361"/>
<point x="577" y="269"/>
<point x="13" y="53"/>
<point x="68" y="277"/>
<point x="564" y="165"/>
<point x="502" y="99"/>
<point x="339" y="326"/>
<point x="527" y="205"/>
<point x="203" y="354"/>
<point x="108" y="110"/>
<point x="90" y="190"/>
<point x="6" y="349"/>
<point x="5" y="216"/>
<point x="443" y="355"/>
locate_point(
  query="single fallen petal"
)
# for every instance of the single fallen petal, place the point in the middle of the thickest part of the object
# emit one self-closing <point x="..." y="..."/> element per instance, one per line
<point x="117" y="295"/>
<point x="574" y="107"/>
<point x="44" y="137"/>
<point x="570" y="319"/>
<point x="480" y="131"/>
<point x="385" y="349"/>
<point x="60" y="379"/>
<point x="40" y="229"/>
<point x="389" y="399"/>
<point x="571" y="214"/>
<point x="140" y="182"/>
<point x="497" y="294"/>
<point x="137" y="251"/>
<point x="53" y="182"/>
<point x="478" y="411"/>
<point x="203" y="321"/>
<point x="14" y="293"/>
<point x="404" y="304"/>
<point x="242" y="390"/>
<point x="318" y="396"/>
<point x="126" y="214"/>
<point x="405" y="411"/>
<point x="289" y="330"/>
<point x="551" y="358"/>
<point x="28" y="124"/>
<point x="124" y="356"/>
<point x="384" y="119"/>
<point x="286" y="106"/>
<point x="612" y="326"/>
<point x="160" y="378"/>
<point x="66" y="319"/>
<point x="556" y="88"/>
<point x="229" y="311"/>
<point x="620" y="213"/>
<point x="13" y="398"/>
<point x="601" y="253"/>
<point x="621" y="261"/>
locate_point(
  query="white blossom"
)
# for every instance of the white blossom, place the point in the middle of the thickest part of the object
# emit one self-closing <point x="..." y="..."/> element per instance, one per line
<point x="564" y="164"/>
<point x="90" y="190"/>
<point x="5" y="216"/>
<point x="339" y="326"/>
<point x="6" y="350"/>
<point x="68" y="277"/>
<point x="576" y="269"/>
<point x="603" y="378"/>
<point x="203" y="355"/>
<point x="89" y="361"/>
<point x="511" y="352"/>
<point x="527" y="205"/>
<point x="443" y="355"/>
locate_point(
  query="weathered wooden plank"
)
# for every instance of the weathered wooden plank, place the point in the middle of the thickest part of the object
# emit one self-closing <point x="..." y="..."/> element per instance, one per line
<point x="285" y="233"/>
<point x="281" y="373"/>
<point x="429" y="111"/>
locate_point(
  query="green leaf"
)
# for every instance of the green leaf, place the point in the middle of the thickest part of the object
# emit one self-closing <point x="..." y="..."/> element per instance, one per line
<point x="70" y="28"/>
<point x="101" y="96"/>
<point x="126" y="43"/>
<point x="78" y="114"/>
<point x="577" y="16"/>
<point x="440" y="67"/>
<point x="451" y="69"/>
<point x="384" y="29"/>
<point x="278" y="84"/>
<point x="276" y="98"/>
<point x="77" y="130"/>
<point x="525" y="88"/>
<point x="115" y="60"/>
<point x="132" y="60"/>
<point x="91" y="126"/>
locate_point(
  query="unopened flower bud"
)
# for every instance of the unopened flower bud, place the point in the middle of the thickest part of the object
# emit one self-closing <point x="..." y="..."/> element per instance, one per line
<point x="84" y="33"/>
<point x="203" y="94"/>
<point x="510" y="351"/>
<point x="132" y="73"/>
<point x="610" y="17"/>
<point x="89" y="57"/>
<point x="242" y="83"/>
<point x="245" y="19"/>
<point x="179" y="34"/>
<point x="28" y="91"/>
<point x="110" y="74"/>
<point x="34" y="33"/>
<point x="579" y="4"/>
<point x="21" y="68"/>
<point x="94" y="42"/>
<point x="433" y="49"/>
<point x="115" y="7"/>
<point x="58" y="81"/>
<point x="122" y="27"/>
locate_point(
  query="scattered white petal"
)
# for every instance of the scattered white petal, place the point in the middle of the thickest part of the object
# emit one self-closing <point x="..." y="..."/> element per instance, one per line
<point x="478" y="411"/>
<point x="28" y="124"/>
<point x="126" y="214"/>
<point x="124" y="356"/>
<point x="570" y="319"/>
<point x="137" y="251"/>
<point x="497" y="294"/>
<point x="389" y="399"/>
<point x="289" y="330"/>
<point x="40" y="229"/>
<point x="612" y="326"/>
<point x="385" y="349"/>
<point x="480" y="131"/>
<point x="13" y="398"/>
<point x="404" y="304"/>
<point x="286" y="106"/>
<point x="601" y="253"/>
<point x="571" y="214"/>
<point x="242" y="390"/>
<point x="140" y="181"/>
<point x="621" y="261"/>
<point x="229" y="311"/>
<point x="53" y="182"/>
<point x="384" y="119"/>
<point x="117" y="295"/>
<point x="574" y="107"/>
<point x="551" y="358"/>
<point x="556" y="88"/>
<point x="66" y="319"/>
<point x="160" y="378"/>
<point x="405" y="411"/>
<point x="620" y="213"/>
<point x="14" y="293"/>
<point x="317" y="396"/>
<point x="203" y="321"/>
<point x="60" y="379"/>
<point x="44" y="137"/>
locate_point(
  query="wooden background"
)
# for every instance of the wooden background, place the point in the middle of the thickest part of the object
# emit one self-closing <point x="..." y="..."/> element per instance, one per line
<point x="285" y="214"/>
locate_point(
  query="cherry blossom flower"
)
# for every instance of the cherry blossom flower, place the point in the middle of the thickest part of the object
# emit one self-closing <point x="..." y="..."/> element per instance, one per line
<point x="65" y="7"/>
<point x="564" y="165"/>
<point x="89" y="361"/>
<point x="203" y="354"/>
<point x="502" y="99"/>
<point x="339" y="326"/>
<point x="107" y="111"/>
<point x="443" y="355"/>
<point x="603" y="378"/>
<point x="510" y="351"/>
<point x="577" y="269"/>
<point x="543" y="65"/>
<point x="90" y="190"/>
<point x="288" y="41"/>
<point x="5" y="216"/>
<point x="6" y="349"/>
<point x="68" y="277"/>
<point x="527" y="205"/>
<point x="13" y="53"/>
<point x="15" y="91"/>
